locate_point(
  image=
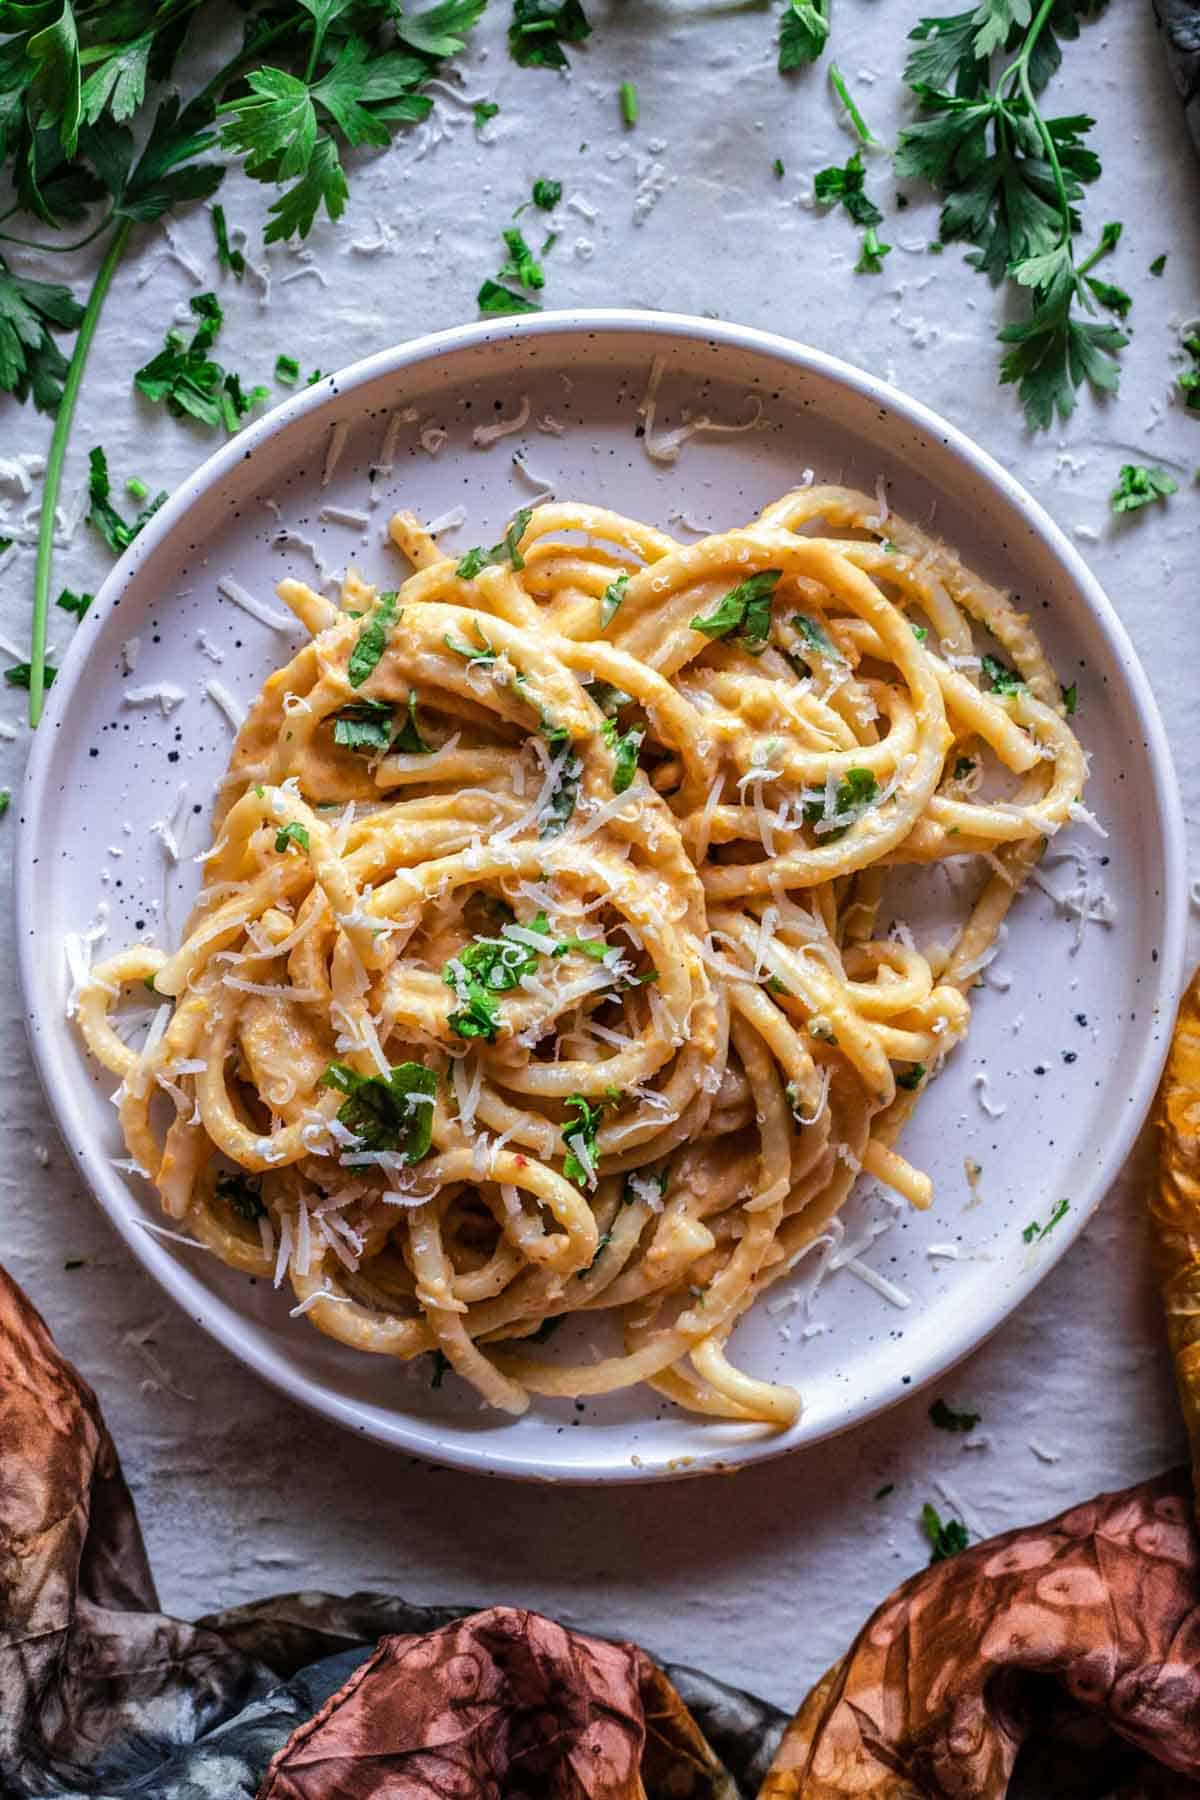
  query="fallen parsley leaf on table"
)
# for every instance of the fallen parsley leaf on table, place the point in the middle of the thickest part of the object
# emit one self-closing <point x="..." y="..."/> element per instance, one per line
<point x="189" y="382"/>
<point x="1137" y="487"/>
<point x="1011" y="178"/>
<point x="540" y="28"/>
<point x="945" y="1539"/>
<point x="870" y="261"/>
<point x="1033" y="1232"/>
<point x="117" y="532"/>
<point x="803" y="31"/>
<point x="30" y="359"/>
<point x="947" y="1419"/>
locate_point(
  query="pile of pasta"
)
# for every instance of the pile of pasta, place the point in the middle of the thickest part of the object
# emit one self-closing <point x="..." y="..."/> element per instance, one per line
<point x="542" y="965"/>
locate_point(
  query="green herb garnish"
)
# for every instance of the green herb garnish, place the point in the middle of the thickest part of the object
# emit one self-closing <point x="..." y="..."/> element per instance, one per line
<point x="118" y="533"/>
<point x="1159" y="264"/>
<point x="611" y="599"/>
<point x="1138" y="487"/>
<point x="484" y="110"/>
<point x="547" y="194"/>
<point x="862" y="130"/>
<point x="228" y="258"/>
<point x="287" y="370"/>
<point x="911" y="1078"/>
<point x="1033" y="1232"/>
<point x="803" y="30"/>
<point x="745" y="612"/>
<point x="945" y="1540"/>
<point x="1070" y="699"/>
<point x="75" y="603"/>
<point x="372" y="640"/>
<point x="507" y="550"/>
<point x="947" y="1419"/>
<point x="625" y="753"/>
<point x="392" y="1114"/>
<point x="494" y="298"/>
<point x="1003" y="679"/>
<point x="18" y="675"/>
<point x="870" y="262"/>
<point x="367" y="725"/>
<point x="522" y="266"/>
<point x="187" y="380"/>
<point x="540" y="28"/>
<point x="292" y="833"/>
<point x="409" y="740"/>
<point x="845" y="187"/>
<point x="579" y="1136"/>
<point x="629" y="103"/>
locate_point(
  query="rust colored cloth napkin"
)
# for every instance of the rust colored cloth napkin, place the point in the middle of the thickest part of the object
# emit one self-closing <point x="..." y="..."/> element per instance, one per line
<point x="1059" y="1662"/>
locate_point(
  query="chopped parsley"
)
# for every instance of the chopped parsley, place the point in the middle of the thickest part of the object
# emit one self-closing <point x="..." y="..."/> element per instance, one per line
<point x="365" y="726"/>
<point x="911" y="1078"/>
<point x="372" y="640"/>
<point x="18" y="675"/>
<point x="499" y="963"/>
<point x="30" y="360"/>
<point x="486" y="654"/>
<point x="629" y="103"/>
<point x="947" y="1419"/>
<point x="522" y="266"/>
<point x="540" y="28"/>
<point x="495" y="299"/>
<point x="5" y="800"/>
<point x="118" y="533"/>
<point x="816" y="638"/>
<point x="507" y="550"/>
<point x="1003" y="679"/>
<point x="855" y="792"/>
<point x="608" y="698"/>
<point x="477" y="1014"/>
<point x="963" y="766"/>
<point x="579" y="1136"/>
<point x="803" y="29"/>
<point x="287" y="370"/>
<point x="611" y="599"/>
<point x="778" y="169"/>
<point x="484" y="110"/>
<point x="228" y="258"/>
<point x="1070" y="699"/>
<point x="242" y="1194"/>
<point x="845" y="187"/>
<point x="862" y="130"/>
<point x="396" y="1114"/>
<point x="1138" y="487"/>
<point x="625" y="753"/>
<point x="1033" y="1232"/>
<point x="870" y="261"/>
<point x="291" y="834"/>
<point x="409" y="740"/>
<point x="745" y="612"/>
<point x="547" y="194"/>
<point x="561" y="803"/>
<point x="74" y="603"/>
<point x="1159" y="264"/>
<point x="189" y="382"/>
<point x="946" y="1539"/>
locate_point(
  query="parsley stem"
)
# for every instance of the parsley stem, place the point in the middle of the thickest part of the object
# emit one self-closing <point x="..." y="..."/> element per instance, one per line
<point x="59" y="249"/>
<point x="54" y="464"/>
<point x="1020" y="67"/>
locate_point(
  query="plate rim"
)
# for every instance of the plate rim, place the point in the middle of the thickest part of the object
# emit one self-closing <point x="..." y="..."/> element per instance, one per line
<point x="405" y="1433"/>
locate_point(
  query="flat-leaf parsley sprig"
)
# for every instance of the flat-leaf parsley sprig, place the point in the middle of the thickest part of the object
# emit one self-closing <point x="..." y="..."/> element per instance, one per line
<point x="1011" y="179"/>
<point x="310" y="81"/>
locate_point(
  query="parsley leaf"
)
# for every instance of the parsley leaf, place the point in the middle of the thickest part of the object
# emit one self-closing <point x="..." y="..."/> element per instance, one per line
<point x="477" y="1015"/>
<point x="364" y="726"/>
<point x="17" y="675"/>
<point x="74" y="603"/>
<point x="507" y="550"/>
<point x="547" y="194"/>
<point x="396" y="1114"/>
<point x="803" y="30"/>
<point x="560" y="805"/>
<point x="30" y="360"/>
<point x="287" y="370"/>
<point x="484" y="110"/>
<point x="103" y="516"/>
<point x="1159" y="264"/>
<point x="629" y="103"/>
<point x="540" y="28"/>
<point x="230" y="259"/>
<point x="855" y="792"/>
<point x="409" y="740"/>
<point x="372" y="640"/>
<point x="189" y="382"/>
<point x="745" y="612"/>
<point x="947" y="1419"/>
<point x="1138" y="487"/>
<point x="1033" y="1232"/>
<point x="611" y="600"/>
<point x="486" y="655"/>
<point x="870" y="262"/>
<point x="291" y="833"/>
<point x="522" y="266"/>
<point x="494" y="298"/>
<point x="845" y="187"/>
<point x="1003" y="679"/>
<point x="241" y="1193"/>
<point x="946" y="1539"/>
<point x="580" y="1135"/>
<point x="442" y="30"/>
<point x="625" y="753"/>
<point x="1070" y="699"/>
<point x="912" y="1077"/>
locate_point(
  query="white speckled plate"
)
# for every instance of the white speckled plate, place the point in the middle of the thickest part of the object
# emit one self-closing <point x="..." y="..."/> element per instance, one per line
<point x="1071" y="1028"/>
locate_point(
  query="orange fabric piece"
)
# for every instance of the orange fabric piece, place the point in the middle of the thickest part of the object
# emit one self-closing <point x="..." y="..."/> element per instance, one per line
<point x="503" y="1703"/>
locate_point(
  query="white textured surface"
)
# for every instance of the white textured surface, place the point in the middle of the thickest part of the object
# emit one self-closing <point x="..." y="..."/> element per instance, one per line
<point x="239" y="1492"/>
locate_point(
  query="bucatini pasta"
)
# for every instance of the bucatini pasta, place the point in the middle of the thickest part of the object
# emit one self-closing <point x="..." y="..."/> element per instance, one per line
<point x="543" y="963"/>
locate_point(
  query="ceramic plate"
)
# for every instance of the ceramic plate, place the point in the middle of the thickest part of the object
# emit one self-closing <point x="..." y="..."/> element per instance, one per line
<point x="1069" y="1031"/>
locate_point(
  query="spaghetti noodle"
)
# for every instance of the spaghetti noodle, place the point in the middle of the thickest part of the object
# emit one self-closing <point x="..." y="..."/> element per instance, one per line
<point x="540" y="968"/>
